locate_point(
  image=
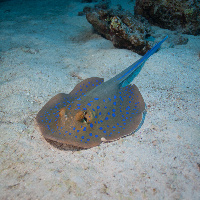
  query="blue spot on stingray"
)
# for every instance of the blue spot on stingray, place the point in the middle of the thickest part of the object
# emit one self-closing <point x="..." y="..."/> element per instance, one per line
<point x="104" y="131"/>
<point x="100" y="128"/>
<point x="82" y="137"/>
<point x="114" y="103"/>
<point x="121" y="98"/>
<point x="69" y="133"/>
<point x="96" y="136"/>
<point x="109" y="99"/>
<point x="91" y="125"/>
<point x="113" y="115"/>
<point x="113" y="110"/>
<point x="79" y="99"/>
<point x="88" y="140"/>
<point x="99" y="113"/>
<point x="127" y="113"/>
<point x="78" y="131"/>
<point x="75" y="136"/>
<point x="115" y="97"/>
<point x="93" y="109"/>
<point x="96" y="98"/>
<point x="106" y="118"/>
<point x="84" y="129"/>
<point x="105" y="107"/>
<point x="90" y="134"/>
<point x="74" y="128"/>
<point x="98" y="107"/>
<point x="108" y="113"/>
<point x="89" y="104"/>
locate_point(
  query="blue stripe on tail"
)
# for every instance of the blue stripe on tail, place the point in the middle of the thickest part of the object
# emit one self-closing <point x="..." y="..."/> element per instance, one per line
<point x="144" y="58"/>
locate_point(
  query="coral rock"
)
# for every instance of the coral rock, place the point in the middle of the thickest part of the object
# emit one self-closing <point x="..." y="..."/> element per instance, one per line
<point x="179" y="15"/>
<point x="122" y="28"/>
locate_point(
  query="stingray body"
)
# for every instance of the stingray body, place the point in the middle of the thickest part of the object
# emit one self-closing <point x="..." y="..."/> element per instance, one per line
<point x="95" y="111"/>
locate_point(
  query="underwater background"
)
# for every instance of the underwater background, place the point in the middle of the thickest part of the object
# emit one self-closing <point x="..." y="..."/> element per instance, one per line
<point x="48" y="47"/>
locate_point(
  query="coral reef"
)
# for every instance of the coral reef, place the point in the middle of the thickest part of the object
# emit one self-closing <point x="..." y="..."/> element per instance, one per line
<point x="126" y="30"/>
<point x="179" y="15"/>
<point x="122" y="28"/>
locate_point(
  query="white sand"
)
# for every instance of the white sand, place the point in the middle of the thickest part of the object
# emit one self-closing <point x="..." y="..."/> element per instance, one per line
<point x="42" y="45"/>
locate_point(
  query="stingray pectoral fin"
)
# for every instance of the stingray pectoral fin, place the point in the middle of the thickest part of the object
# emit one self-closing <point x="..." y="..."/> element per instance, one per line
<point x="86" y="86"/>
<point x="126" y="114"/>
<point x="47" y="117"/>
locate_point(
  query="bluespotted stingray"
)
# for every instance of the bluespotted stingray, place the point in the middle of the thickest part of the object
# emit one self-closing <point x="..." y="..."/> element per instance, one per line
<point x="95" y="111"/>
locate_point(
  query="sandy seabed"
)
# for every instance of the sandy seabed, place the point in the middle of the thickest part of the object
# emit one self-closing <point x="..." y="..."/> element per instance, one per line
<point x="46" y="48"/>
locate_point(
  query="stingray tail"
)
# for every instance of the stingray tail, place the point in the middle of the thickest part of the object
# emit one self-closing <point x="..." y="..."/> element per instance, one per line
<point x="128" y="74"/>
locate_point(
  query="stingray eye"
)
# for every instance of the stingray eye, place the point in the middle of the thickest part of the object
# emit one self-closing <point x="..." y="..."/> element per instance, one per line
<point x="84" y="116"/>
<point x="62" y="113"/>
<point x="80" y="116"/>
<point x="89" y="116"/>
